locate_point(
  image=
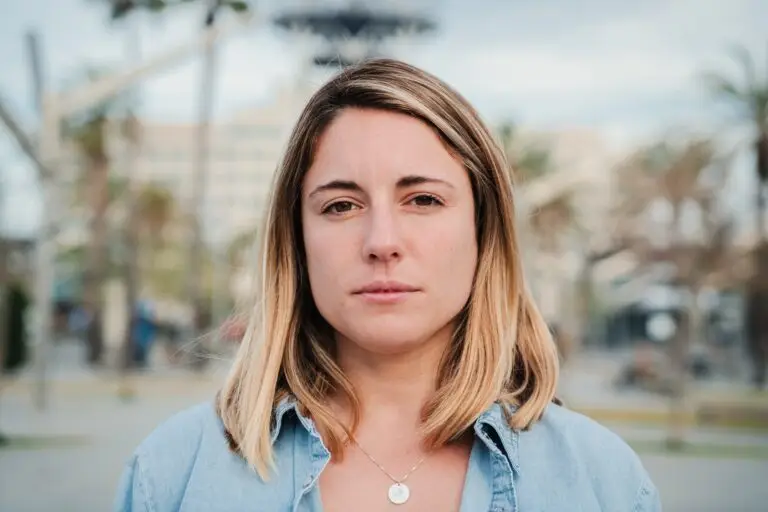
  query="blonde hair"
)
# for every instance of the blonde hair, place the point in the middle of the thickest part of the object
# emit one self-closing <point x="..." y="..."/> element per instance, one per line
<point x="501" y="349"/>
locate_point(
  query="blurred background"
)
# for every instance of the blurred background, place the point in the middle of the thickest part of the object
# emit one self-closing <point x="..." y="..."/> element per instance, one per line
<point x="139" y="139"/>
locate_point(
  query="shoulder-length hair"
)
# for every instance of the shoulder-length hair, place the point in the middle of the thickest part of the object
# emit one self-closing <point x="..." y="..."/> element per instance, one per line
<point x="501" y="350"/>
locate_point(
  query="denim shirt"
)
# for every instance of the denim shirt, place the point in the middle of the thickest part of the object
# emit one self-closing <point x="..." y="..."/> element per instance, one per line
<point x="564" y="462"/>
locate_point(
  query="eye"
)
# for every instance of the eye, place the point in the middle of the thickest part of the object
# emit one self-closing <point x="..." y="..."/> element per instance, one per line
<point x="425" y="201"/>
<point x="339" y="208"/>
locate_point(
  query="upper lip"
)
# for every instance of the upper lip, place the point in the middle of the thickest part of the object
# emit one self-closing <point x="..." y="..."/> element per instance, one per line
<point x="386" y="287"/>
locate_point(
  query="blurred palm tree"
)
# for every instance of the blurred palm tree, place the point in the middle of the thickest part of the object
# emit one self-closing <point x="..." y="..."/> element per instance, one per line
<point x="528" y="161"/>
<point x="682" y="179"/>
<point x="91" y="134"/>
<point x="155" y="211"/>
<point x="556" y="216"/>
<point x="124" y="8"/>
<point x="156" y="208"/>
<point x="132" y="133"/>
<point x="551" y="221"/>
<point x="750" y="95"/>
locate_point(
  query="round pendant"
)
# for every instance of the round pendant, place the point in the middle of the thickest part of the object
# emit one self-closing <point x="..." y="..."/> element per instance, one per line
<point x="399" y="493"/>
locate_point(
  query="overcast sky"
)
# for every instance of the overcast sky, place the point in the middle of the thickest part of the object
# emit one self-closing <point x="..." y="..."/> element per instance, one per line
<point x="629" y="69"/>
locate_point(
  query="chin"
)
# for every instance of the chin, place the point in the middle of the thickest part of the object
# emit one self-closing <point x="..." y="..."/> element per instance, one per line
<point x="388" y="337"/>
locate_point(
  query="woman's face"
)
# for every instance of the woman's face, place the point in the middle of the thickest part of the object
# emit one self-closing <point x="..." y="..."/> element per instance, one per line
<point x="389" y="231"/>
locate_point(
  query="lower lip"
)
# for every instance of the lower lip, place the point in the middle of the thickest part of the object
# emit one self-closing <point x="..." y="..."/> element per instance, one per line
<point x="385" y="297"/>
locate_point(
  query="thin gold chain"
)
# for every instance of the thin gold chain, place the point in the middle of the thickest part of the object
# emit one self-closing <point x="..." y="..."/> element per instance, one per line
<point x="400" y="481"/>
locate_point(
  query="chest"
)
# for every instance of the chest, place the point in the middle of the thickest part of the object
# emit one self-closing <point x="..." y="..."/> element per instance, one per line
<point x="307" y="481"/>
<point x="357" y="483"/>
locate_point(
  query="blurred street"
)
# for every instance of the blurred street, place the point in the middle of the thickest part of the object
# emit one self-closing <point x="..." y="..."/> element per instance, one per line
<point x="139" y="143"/>
<point x="69" y="457"/>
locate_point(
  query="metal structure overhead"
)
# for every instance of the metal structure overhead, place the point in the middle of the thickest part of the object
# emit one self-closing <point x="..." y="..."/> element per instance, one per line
<point x="354" y="25"/>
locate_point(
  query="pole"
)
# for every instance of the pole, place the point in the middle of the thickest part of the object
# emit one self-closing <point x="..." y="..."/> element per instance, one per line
<point x="22" y="139"/>
<point x="43" y="260"/>
<point x="108" y="86"/>
<point x="131" y="229"/>
<point x="45" y="250"/>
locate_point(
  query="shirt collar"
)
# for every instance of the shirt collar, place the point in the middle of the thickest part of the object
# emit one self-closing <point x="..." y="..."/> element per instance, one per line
<point x="492" y="427"/>
<point x="284" y="406"/>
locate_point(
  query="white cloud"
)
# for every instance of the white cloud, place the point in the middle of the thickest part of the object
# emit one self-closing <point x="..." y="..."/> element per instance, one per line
<point x="592" y="61"/>
<point x="564" y="73"/>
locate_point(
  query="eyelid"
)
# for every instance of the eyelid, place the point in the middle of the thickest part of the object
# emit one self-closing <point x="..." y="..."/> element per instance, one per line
<point x="325" y="209"/>
<point x="426" y="194"/>
<point x="335" y="200"/>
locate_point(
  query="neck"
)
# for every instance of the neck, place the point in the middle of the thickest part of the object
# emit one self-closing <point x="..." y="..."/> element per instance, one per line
<point x="393" y="388"/>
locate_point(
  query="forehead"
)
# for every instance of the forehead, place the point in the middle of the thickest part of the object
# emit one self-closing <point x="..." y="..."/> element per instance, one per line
<point x="367" y="143"/>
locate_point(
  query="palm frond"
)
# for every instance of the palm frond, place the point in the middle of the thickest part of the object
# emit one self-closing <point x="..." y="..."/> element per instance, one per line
<point x="533" y="163"/>
<point x="724" y="87"/>
<point x="238" y="6"/>
<point x="691" y="174"/>
<point x="155" y="208"/>
<point x="740" y="54"/>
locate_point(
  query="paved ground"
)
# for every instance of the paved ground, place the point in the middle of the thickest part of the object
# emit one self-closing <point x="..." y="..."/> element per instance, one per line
<point x="80" y="473"/>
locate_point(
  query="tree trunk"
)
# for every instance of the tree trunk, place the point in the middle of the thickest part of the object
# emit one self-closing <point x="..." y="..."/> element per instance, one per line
<point x="4" y="339"/>
<point x="757" y="318"/>
<point x="680" y="343"/>
<point x="132" y="277"/>
<point x="760" y="212"/>
<point x="4" y="250"/>
<point x="98" y="192"/>
<point x="757" y="289"/>
<point x="689" y="329"/>
<point x="131" y="231"/>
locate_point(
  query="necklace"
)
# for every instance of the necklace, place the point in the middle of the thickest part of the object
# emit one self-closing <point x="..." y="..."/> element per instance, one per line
<point x="398" y="492"/>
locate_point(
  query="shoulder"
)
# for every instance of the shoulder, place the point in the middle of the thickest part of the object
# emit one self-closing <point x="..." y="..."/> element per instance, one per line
<point x="179" y="436"/>
<point x="186" y="463"/>
<point x="589" y="454"/>
<point x="571" y="429"/>
<point x="158" y="471"/>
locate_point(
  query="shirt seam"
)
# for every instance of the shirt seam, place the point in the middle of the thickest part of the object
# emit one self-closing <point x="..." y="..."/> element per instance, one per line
<point x="144" y="486"/>
<point x="641" y="494"/>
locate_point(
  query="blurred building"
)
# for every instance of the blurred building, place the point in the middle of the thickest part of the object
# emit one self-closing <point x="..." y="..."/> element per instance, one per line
<point x="244" y="152"/>
<point x="582" y="160"/>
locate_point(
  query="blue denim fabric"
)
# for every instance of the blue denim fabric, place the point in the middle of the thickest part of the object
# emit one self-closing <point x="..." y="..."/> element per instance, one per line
<point x="565" y="462"/>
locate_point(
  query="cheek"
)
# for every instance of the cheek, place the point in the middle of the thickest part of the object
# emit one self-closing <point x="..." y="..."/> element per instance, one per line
<point x="318" y="262"/>
<point x="326" y="263"/>
<point x="451" y="254"/>
<point x="454" y="247"/>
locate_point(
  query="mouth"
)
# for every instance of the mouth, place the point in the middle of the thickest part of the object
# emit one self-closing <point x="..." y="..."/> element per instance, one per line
<point x="386" y="292"/>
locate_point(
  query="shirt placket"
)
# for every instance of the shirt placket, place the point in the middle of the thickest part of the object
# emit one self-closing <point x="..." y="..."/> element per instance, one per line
<point x="307" y="495"/>
<point x="504" y="495"/>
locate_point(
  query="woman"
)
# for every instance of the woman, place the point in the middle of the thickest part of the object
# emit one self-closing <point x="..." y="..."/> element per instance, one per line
<point x="395" y="359"/>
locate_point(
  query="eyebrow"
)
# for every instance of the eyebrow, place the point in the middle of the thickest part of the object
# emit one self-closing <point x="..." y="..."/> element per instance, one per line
<point x="404" y="182"/>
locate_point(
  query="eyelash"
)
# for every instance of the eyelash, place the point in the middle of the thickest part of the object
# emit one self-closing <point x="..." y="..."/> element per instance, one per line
<point x="328" y="210"/>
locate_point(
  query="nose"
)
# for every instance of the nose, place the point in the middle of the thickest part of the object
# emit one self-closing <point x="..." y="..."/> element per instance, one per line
<point x="383" y="241"/>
